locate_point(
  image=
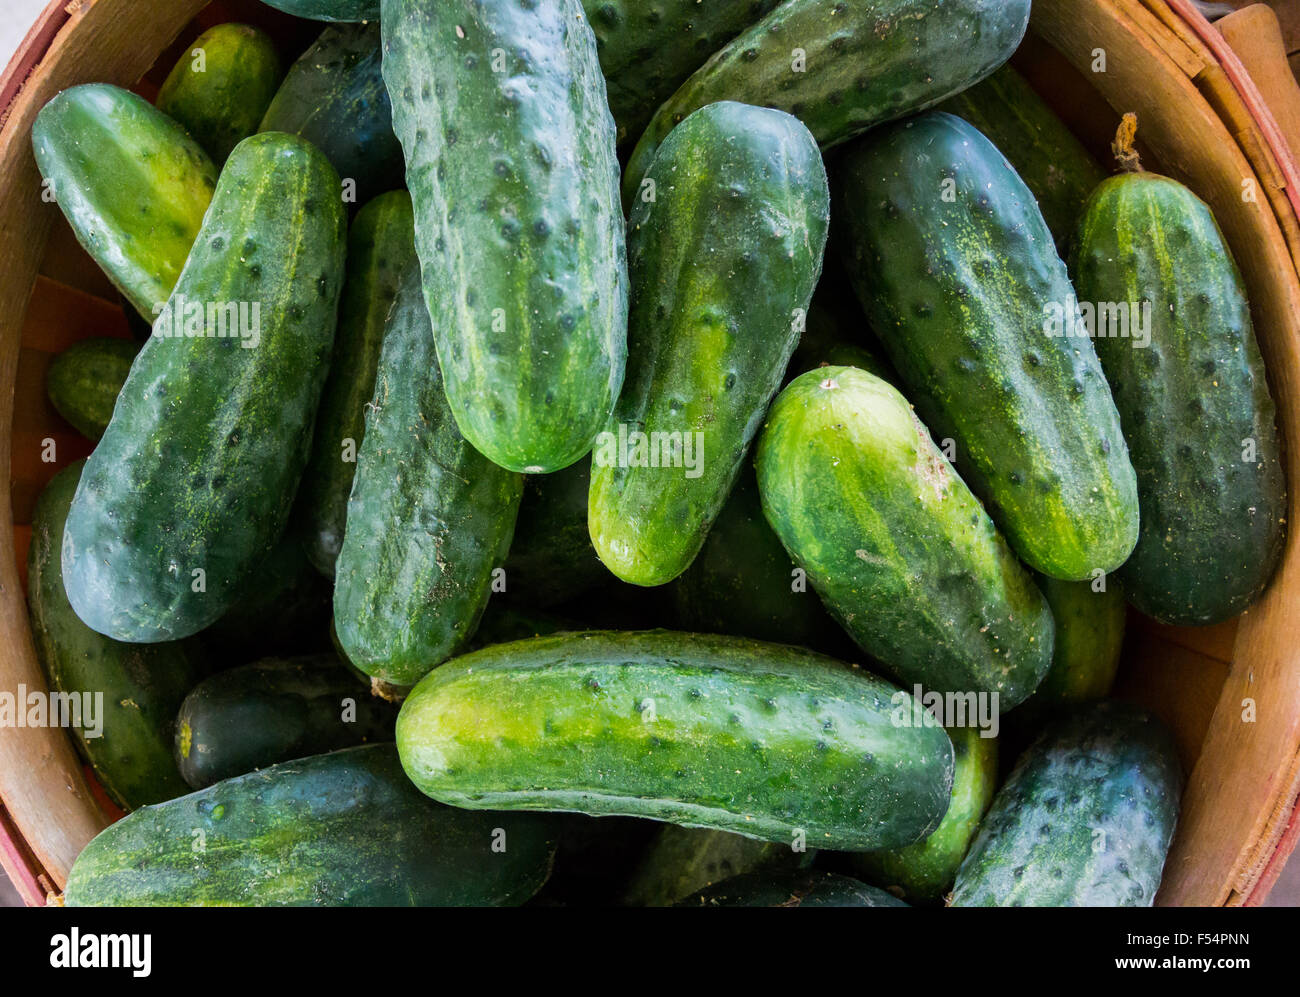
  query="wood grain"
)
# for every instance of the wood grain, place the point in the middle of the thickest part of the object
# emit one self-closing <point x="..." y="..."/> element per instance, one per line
<point x="1256" y="36"/>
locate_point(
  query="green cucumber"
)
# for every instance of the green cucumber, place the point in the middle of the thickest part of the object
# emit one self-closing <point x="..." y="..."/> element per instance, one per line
<point x="511" y="165"/>
<point x="1084" y="820"/>
<point x="648" y="50"/>
<point x="130" y="181"/>
<point x="810" y="888"/>
<point x="893" y="541"/>
<point x="334" y="97"/>
<point x="551" y="557"/>
<point x="922" y="873"/>
<point x="722" y="264"/>
<point x="275" y="710"/>
<point x="329" y="10"/>
<point x="768" y="741"/>
<point x="346" y="829"/>
<point x="381" y="246"/>
<point x="429" y="520"/>
<point x="842" y="67"/>
<point x="682" y="860"/>
<point x="139" y="688"/>
<point x="84" y="380"/>
<point x="1194" y="401"/>
<point x="222" y="85"/>
<point x="959" y="276"/>
<point x="191" y="484"/>
<point x="1049" y="159"/>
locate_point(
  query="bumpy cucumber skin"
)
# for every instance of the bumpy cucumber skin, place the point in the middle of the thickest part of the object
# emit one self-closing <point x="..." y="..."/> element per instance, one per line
<point x="84" y="380"/>
<point x="923" y="872"/>
<point x="346" y="829"/>
<point x="865" y="62"/>
<point x="334" y="97"/>
<point x="682" y="860"/>
<point x="514" y="177"/>
<point x="648" y="49"/>
<point x="429" y="518"/>
<point x="141" y="686"/>
<point x="1084" y="820"/>
<point x="958" y="288"/>
<point x="222" y="104"/>
<point x="381" y="247"/>
<point x="329" y="10"/>
<point x="198" y="468"/>
<point x="1054" y="165"/>
<point x="131" y="182"/>
<point x="893" y="541"/>
<point x="1213" y="524"/>
<point x="812" y="888"/>
<point x="706" y="731"/>
<point x="723" y="264"/>
<point x="274" y="710"/>
<point x="551" y="557"/>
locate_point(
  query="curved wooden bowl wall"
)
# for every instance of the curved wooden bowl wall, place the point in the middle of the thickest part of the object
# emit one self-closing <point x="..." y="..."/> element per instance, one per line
<point x="1238" y="813"/>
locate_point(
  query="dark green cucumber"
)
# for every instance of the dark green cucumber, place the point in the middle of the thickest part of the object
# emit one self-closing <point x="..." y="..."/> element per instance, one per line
<point x="682" y="860"/>
<point x="648" y="50"/>
<point x="191" y="484"/>
<point x="222" y="86"/>
<point x="894" y="542"/>
<point x="429" y="520"/>
<point x="924" y="872"/>
<point x="958" y="274"/>
<point x="381" y="246"/>
<point x="334" y="97"/>
<point x="723" y="264"/>
<point x="329" y="10"/>
<point x="138" y="688"/>
<point x="1054" y="165"/>
<point x="275" y="710"/>
<point x="84" y="380"/>
<point x="1084" y="820"/>
<point x="772" y="742"/>
<point x="346" y="829"/>
<point x="130" y="181"/>
<point x="842" y="67"/>
<point x="744" y="583"/>
<point x="510" y="161"/>
<point x="1194" y="401"/>
<point x="551" y="557"/>
<point x="811" y="888"/>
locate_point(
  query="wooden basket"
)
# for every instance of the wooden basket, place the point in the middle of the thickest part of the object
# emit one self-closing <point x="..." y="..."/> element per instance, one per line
<point x="1200" y="121"/>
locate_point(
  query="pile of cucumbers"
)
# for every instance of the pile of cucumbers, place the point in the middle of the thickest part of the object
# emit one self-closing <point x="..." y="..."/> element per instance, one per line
<point x="539" y="404"/>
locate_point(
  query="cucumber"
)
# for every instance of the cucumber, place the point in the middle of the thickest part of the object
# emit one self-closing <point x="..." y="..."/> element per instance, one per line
<point x="763" y="740"/>
<point x="811" y="888"/>
<point x="329" y="10"/>
<point x="1054" y="165"/>
<point x="722" y="264"/>
<point x="1084" y="820"/>
<point x="511" y="165"/>
<point x="344" y="829"/>
<point x="682" y="860"/>
<point x="958" y="274"/>
<point x="334" y="97"/>
<point x="130" y="181"/>
<point x="138" y="688"/>
<point x="429" y="520"/>
<point x="841" y="68"/>
<point x="1195" y="403"/>
<point x="894" y="542"/>
<point x="222" y="85"/>
<point x="84" y="380"/>
<point x="551" y="557"/>
<point x="922" y="873"/>
<point x="381" y="246"/>
<point x="648" y="51"/>
<point x="836" y="335"/>
<point x="275" y="710"/>
<point x="191" y="484"/>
